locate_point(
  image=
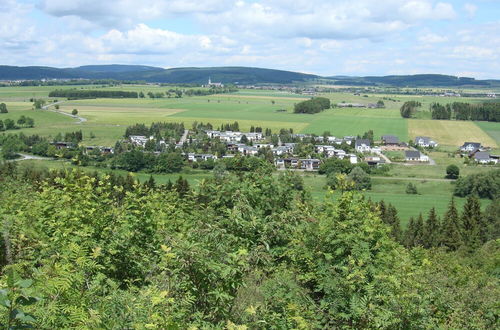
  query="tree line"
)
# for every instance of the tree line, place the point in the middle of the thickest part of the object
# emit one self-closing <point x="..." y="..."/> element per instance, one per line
<point x="22" y="122"/>
<point x="486" y="111"/>
<point x="82" y="93"/>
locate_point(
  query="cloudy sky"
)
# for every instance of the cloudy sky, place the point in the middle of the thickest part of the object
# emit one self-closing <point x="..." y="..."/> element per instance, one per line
<point x="327" y="37"/>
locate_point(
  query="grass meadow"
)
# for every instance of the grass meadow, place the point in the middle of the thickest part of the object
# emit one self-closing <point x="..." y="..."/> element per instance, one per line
<point x="108" y="118"/>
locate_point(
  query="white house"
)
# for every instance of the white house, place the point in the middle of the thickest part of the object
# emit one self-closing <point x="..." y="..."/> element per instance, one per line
<point x="139" y="140"/>
<point x="470" y="146"/>
<point x="415" y="156"/>
<point x="362" y="145"/>
<point x="425" y="142"/>
<point x="483" y="157"/>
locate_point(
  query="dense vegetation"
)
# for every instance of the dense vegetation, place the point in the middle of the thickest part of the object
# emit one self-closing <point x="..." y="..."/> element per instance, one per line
<point x="409" y="108"/>
<point x="486" y="111"/>
<point x="484" y="185"/>
<point x="314" y="105"/>
<point x="85" y="93"/>
<point x="92" y="251"/>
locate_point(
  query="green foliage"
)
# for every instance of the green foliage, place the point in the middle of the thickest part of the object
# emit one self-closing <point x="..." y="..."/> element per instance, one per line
<point x="82" y="94"/>
<point x="409" y="108"/>
<point x="439" y="111"/>
<point x="246" y="250"/>
<point x="411" y="189"/>
<point x="3" y="108"/>
<point x="314" y="105"/>
<point x="14" y="299"/>
<point x="452" y="171"/>
<point x="483" y="185"/>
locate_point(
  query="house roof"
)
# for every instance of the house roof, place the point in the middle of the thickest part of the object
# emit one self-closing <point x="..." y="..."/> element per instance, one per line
<point x="482" y="155"/>
<point x="412" y="154"/>
<point x="360" y="142"/>
<point x="390" y="139"/>
<point x="425" y="139"/>
<point x="474" y="144"/>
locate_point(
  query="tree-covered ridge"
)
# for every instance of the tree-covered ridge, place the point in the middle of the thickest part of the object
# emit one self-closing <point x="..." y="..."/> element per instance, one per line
<point x="248" y="250"/>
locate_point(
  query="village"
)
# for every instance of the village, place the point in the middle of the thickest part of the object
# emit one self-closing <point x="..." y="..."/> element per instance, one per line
<point x="286" y="155"/>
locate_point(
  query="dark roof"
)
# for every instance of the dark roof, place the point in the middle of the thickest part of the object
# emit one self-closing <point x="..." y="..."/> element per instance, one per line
<point x="474" y="144"/>
<point x="362" y="141"/>
<point x="482" y="155"/>
<point x="412" y="154"/>
<point x="426" y="139"/>
<point x="391" y="139"/>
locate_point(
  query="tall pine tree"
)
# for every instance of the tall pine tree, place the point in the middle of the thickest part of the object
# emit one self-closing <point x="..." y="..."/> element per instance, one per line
<point x="409" y="236"/>
<point x="418" y="239"/>
<point x="431" y="230"/>
<point x="471" y="222"/>
<point x="491" y="221"/>
<point x="450" y="229"/>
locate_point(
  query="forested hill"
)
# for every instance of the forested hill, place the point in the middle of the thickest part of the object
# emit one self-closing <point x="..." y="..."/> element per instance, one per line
<point x="241" y="75"/>
<point x="418" y="80"/>
<point x="227" y="75"/>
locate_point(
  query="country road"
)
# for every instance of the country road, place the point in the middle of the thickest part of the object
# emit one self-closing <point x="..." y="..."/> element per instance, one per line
<point x="47" y="107"/>
<point x="184" y="137"/>
<point x="29" y="157"/>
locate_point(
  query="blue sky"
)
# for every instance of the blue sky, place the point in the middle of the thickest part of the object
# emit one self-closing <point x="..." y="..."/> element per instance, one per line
<point x="327" y="37"/>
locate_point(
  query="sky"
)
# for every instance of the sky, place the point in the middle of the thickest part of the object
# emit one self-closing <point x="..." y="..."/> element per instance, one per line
<point x="325" y="37"/>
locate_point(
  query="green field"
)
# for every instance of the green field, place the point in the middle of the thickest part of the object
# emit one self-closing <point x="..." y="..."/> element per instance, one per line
<point x="108" y="118"/>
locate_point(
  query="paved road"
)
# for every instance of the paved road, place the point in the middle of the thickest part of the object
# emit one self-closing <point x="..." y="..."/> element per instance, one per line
<point x="47" y="107"/>
<point x="28" y="157"/>
<point x="387" y="160"/>
<point x="184" y="137"/>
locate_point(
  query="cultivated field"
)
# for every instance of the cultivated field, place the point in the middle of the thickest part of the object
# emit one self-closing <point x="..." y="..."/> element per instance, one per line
<point x="450" y="132"/>
<point x="106" y="120"/>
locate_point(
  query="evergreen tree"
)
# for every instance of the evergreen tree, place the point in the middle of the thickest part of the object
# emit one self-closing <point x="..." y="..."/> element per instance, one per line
<point x="389" y="216"/>
<point x="471" y="222"/>
<point x="409" y="236"/>
<point x="418" y="238"/>
<point x="431" y="235"/>
<point x="450" y="229"/>
<point x="181" y="186"/>
<point x="151" y="184"/>
<point x="491" y="221"/>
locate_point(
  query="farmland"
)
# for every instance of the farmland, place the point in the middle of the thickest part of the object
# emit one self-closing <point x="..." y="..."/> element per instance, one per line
<point x="106" y="120"/>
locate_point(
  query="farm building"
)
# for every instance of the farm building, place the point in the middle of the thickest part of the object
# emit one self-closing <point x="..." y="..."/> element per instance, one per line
<point x="390" y="140"/>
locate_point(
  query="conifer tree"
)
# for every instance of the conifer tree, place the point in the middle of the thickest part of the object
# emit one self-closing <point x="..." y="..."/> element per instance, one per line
<point x="431" y="230"/>
<point x="151" y="184"/>
<point x="471" y="222"/>
<point x="392" y="220"/>
<point x="491" y="221"/>
<point x="409" y="236"/>
<point x="450" y="229"/>
<point x="418" y="239"/>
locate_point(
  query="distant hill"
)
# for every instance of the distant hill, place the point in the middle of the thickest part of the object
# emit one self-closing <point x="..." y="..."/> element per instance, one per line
<point x="418" y="80"/>
<point x="240" y="75"/>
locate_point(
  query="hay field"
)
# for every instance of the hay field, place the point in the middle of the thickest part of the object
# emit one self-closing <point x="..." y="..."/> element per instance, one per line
<point x="450" y="132"/>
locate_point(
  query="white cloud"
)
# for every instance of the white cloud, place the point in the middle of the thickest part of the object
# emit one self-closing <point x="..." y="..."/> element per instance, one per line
<point x="470" y="9"/>
<point x="432" y="38"/>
